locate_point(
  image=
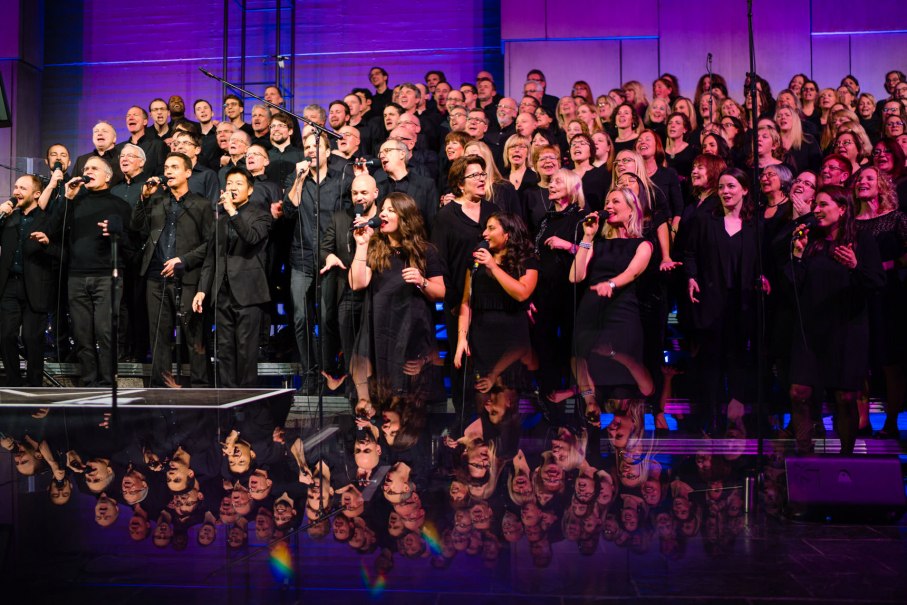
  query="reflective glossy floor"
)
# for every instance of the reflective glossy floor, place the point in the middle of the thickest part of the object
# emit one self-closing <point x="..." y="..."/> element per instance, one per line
<point x="267" y="503"/>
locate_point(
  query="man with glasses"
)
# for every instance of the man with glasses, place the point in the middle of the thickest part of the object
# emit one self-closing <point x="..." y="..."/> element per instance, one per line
<point x="396" y="176"/>
<point x="203" y="180"/>
<point x="233" y="110"/>
<point x="174" y="225"/>
<point x="477" y="124"/>
<point x="132" y="164"/>
<point x="160" y="115"/>
<point x="236" y="148"/>
<point x="456" y="119"/>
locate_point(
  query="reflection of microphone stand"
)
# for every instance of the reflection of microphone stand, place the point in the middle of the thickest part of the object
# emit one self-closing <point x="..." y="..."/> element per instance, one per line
<point x="319" y="130"/>
<point x="178" y="270"/>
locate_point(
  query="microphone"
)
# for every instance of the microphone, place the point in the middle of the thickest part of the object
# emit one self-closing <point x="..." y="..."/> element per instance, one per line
<point x="364" y="162"/>
<point x="590" y="219"/>
<point x="79" y="180"/>
<point x="709" y="58"/>
<point x="483" y="245"/>
<point x="809" y="222"/>
<point x="358" y="209"/>
<point x="373" y="222"/>
<point x="12" y="201"/>
<point x="208" y="73"/>
<point x="58" y="165"/>
<point x="157" y="182"/>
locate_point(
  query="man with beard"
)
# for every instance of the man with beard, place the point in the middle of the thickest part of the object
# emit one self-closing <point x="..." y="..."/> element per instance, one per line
<point x="29" y="250"/>
<point x="345" y="315"/>
<point x="283" y="155"/>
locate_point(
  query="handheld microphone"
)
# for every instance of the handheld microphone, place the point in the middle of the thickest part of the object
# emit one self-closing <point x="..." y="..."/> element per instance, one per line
<point x="373" y="222"/>
<point x="157" y="182"/>
<point x="809" y="222"/>
<point x="58" y="165"/>
<point x="358" y="209"/>
<point x="12" y="201"/>
<point x="483" y="245"/>
<point x="590" y="219"/>
<point x="79" y="180"/>
<point x="364" y="162"/>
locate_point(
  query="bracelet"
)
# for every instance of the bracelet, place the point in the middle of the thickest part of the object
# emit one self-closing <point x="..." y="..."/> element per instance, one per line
<point x="359" y="260"/>
<point x="585" y="245"/>
<point x="587" y="393"/>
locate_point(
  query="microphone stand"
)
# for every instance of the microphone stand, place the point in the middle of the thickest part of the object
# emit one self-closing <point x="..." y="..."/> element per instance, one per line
<point x="178" y="301"/>
<point x="319" y="130"/>
<point x="760" y="293"/>
<point x="114" y="324"/>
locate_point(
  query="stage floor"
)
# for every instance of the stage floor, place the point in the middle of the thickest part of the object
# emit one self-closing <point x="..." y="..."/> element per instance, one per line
<point x="136" y="398"/>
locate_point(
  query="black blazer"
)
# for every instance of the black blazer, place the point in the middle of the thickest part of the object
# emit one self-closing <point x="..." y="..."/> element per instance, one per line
<point x="194" y="228"/>
<point x="245" y="265"/>
<point x="422" y="189"/>
<point x="39" y="262"/>
<point x="704" y="262"/>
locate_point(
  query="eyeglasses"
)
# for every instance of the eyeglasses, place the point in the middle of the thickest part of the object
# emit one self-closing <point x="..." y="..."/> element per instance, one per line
<point x="131" y="156"/>
<point x="279" y="126"/>
<point x="804" y="182"/>
<point x="893" y="123"/>
<point x="548" y="158"/>
<point x="477" y="176"/>
<point x="388" y="150"/>
<point x="877" y="152"/>
<point x="579" y="143"/>
<point x="254" y="154"/>
<point x="519" y="146"/>
<point x="477" y="120"/>
<point x="626" y="161"/>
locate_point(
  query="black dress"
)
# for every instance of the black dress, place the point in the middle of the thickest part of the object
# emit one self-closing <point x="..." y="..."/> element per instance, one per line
<point x="604" y="324"/>
<point x="832" y="350"/>
<point x="888" y="320"/>
<point x="499" y="324"/>
<point x="553" y="298"/>
<point x="397" y="322"/>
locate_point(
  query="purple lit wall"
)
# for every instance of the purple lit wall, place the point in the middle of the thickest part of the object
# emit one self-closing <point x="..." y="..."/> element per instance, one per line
<point x="100" y="59"/>
<point x="606" y="43"/>
<point x="68" y="63"/>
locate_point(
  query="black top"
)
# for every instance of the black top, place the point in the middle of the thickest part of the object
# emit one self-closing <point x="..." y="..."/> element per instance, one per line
<point x="596" y="183"/>
<point x="456" y="236"/>
<point x="89" y="249"/>
<point x="302" y="250"/>
<point x="668" y="183"/>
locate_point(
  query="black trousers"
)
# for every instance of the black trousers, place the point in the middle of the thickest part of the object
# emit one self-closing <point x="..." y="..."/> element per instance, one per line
<point x="160" y="296"/>
<point x="89" y="309"/>
<point x="15" y="312"/>
<point x="238" y="331"/>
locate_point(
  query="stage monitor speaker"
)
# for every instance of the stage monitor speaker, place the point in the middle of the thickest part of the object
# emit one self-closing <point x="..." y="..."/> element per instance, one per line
<point x="858" y="488"/>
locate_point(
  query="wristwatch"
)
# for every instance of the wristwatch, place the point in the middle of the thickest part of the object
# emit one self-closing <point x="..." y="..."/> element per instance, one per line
<point x="613" y="285"/>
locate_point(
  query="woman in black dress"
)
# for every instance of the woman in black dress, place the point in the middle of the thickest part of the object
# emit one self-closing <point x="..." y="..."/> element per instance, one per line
<point x="832" y="269"/>
<point x="878" y="214"/>
<point x="720" y="261"/>
<point x="493" y="326"/>
<point x="553" y="301"/>
<point x="608" y="322"/>
<point x="404" y="277"/>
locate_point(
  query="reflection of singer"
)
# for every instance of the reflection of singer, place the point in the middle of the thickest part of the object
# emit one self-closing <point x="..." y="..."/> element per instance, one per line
<point x="175" y="226"/>
<point x="235" y="281"/>
<point x="28" y="260"/>
<point x="404" y="275"/>
<point x="90" y="266"/>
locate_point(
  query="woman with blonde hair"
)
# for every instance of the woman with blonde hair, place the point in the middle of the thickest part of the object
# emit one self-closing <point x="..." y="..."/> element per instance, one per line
<point x="498" y="190"/>
<point x="685" y="106"/>
<point x="833" y="123"/>
<point x="566" y="111"/>
<point x="589" y="117"/>
<point x="826" y="100"/>
<point x="801" y="149"/>
<point x="516" y="161"/>
<point x="604" y="150"/>
<point x="610" y="258"/>
<point x="635" y="95"/>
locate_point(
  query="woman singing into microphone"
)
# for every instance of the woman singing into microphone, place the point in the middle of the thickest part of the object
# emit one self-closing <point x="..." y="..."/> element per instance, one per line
<point x="608" y="321"/>
<point x="493" y="325"/>
<point x="404" y="277"/>
<point x="833" y="270"/>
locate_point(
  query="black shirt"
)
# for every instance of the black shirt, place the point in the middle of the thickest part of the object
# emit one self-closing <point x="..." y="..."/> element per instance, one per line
<point x="25" y="223"/>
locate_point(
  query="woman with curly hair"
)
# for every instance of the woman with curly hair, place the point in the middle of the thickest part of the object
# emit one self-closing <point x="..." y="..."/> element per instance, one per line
<point x="404" y="276"/>
<point x="493" y="325"/>
<point x="889" y="158"/>
<point x="833" y="261"/>
<point x="877" y="213"/>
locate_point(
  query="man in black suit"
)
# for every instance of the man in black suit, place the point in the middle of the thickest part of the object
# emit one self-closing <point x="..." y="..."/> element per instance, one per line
<point x="234" y="276"/>
<point x="175" y="226"/>
<point x="28" y="275"/>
